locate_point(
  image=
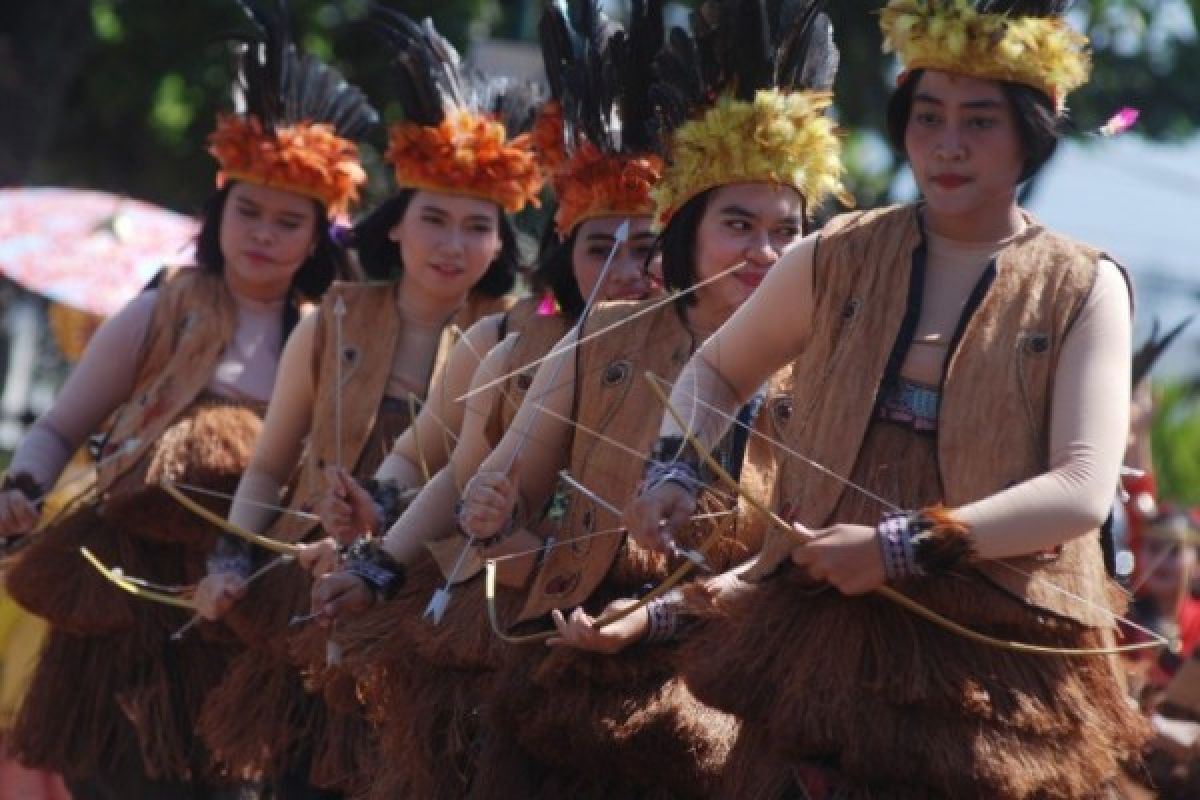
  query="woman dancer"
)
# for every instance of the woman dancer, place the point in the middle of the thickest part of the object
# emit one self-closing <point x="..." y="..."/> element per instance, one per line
<point x="959" y="414"/>
<point x="183" y="372"/>
<point x="349" y="381"/>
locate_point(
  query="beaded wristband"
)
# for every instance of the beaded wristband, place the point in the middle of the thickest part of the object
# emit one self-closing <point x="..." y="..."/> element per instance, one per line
<point x="895" y="545"/>
<point x="679" y="472"/>
<point x="375" y="567"/>
<point x="673" y="460"/>
<point x="386" y="496"/>
<point x="920" y="543"/>
<point x="231" y="556"/>
<point x="664" y="615"/>
<point x="24" y="483"/>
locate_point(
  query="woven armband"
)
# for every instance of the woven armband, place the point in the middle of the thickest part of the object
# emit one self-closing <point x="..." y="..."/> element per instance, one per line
<point x="375" y="567"/>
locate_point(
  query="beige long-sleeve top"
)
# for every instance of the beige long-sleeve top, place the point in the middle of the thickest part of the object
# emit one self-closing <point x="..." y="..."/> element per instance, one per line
<point x="105" y="376"/>
<point x="1089" y="413"/>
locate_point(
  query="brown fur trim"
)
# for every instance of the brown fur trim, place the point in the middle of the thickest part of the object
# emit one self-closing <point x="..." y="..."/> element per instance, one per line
<point x="942" y="541"/>
<point x="210" y="447"/>
<point x="343" y="752"/>
<point x="261" y="618"/>
<point x="429" y="750"/>
<point x="422" y="683"/>
<point x="343" y="749"/>
<point x="165" y="702"/>
<point x="900" y="702"/>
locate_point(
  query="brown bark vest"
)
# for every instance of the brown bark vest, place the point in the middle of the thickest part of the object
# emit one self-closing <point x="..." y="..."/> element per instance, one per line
<point x="614" y="400"/>
<point x="996" y="392"/>
<point x="536" y="335"/>
<point x="371" y="331"/>
<point x="194" y="320"/>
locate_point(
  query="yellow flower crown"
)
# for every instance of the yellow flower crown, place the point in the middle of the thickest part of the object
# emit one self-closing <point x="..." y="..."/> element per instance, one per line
<point x="783" y="138"/>
<point x="951" y="36"/>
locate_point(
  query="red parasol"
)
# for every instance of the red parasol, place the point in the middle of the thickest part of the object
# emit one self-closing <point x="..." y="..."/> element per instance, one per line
<point x="89" y="250"/>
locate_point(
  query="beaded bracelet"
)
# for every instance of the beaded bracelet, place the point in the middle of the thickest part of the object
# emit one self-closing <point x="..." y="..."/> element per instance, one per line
<point x="231" y="556"/>
<point x="386" y="496"/>
<point x="664" y="617"/>
<point x="375" y="567"/>
<point x="24" y="483"/>
<point x="672" y="460"/>
<point x="916" y="544"/>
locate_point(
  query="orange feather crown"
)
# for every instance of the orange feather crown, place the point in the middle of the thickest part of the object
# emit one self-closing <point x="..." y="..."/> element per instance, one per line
<point x="589" y="182"/>
<point x="466" y="153"/>
<point x="306" y="158"/>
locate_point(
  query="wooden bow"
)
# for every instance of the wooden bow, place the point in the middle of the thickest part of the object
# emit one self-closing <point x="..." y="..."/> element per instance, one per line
<point x="888" y="592"/>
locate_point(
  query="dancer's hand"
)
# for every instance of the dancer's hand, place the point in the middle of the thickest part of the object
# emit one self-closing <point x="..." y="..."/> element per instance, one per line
<point x="18" y="516"/>
<point x="339" y="594"/>
<point x="216" y="594"/>
<point x="318" y="558"/>
<point x="653" y="517"/>
<point x="488" y="502"/>
<point x="581" y="631"/>
<point x="845" y="556"/>
<point x="346" y="509"/>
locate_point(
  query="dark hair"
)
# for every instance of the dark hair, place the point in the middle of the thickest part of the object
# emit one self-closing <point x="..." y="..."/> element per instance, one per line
<point x="555" y="271"/>
<point x="327" y="262"/>
<point x="677" y="243"/>
<point x="1037" y="124"/>
<point x="380" y="256"/>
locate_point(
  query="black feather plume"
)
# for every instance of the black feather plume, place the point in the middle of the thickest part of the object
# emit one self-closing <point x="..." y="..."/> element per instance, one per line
<point x="1024" y="8"/>
<point x="431" y="77"/>
<point x="1154" y="346"/>
<point x="598" y="72"/>
<point x="740" y="47"/>
<point x="281" y="87"/>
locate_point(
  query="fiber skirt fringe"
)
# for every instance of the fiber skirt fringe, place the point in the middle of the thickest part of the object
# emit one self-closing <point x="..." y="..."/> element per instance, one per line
<point x="607" y="726"/>
<point x="266" y="710"/>
<point x="272" y="708"/>
<point x="901" y="708"/>
<point x="422" y="683"/>
<point x="110" y="683"/>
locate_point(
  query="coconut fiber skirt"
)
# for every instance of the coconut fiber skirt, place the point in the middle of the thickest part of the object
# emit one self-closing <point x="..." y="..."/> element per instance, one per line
<point x="864" y="697"/>
<point x="111" y="686"/>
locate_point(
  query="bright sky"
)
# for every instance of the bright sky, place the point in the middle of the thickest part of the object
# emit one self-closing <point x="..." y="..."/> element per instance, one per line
<point x="1140" y="202"/>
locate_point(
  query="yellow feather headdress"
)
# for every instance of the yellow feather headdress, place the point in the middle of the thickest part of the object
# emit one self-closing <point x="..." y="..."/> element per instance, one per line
<point x="953" y="36"/>
<point x="760" y="115"/>
<point x="778" y="137"/>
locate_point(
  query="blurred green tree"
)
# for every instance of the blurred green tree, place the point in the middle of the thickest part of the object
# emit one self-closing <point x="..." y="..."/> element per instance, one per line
<point x="1175" y="441"/>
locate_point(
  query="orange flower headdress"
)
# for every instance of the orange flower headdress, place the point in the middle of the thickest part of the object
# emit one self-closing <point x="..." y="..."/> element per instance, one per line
<point x="458" y="133"/>
<point x="595" y="138"/>
<point x="743" y="98"/>
<point x="299" y="119"/>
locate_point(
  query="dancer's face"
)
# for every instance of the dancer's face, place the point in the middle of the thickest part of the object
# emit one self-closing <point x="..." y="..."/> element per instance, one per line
<point x="266" y="235"/>
<point x="447" y="242"/>
<point x="627" y="278"/>
<point x="962" y="141"/>
<point x="749" y="224"/>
